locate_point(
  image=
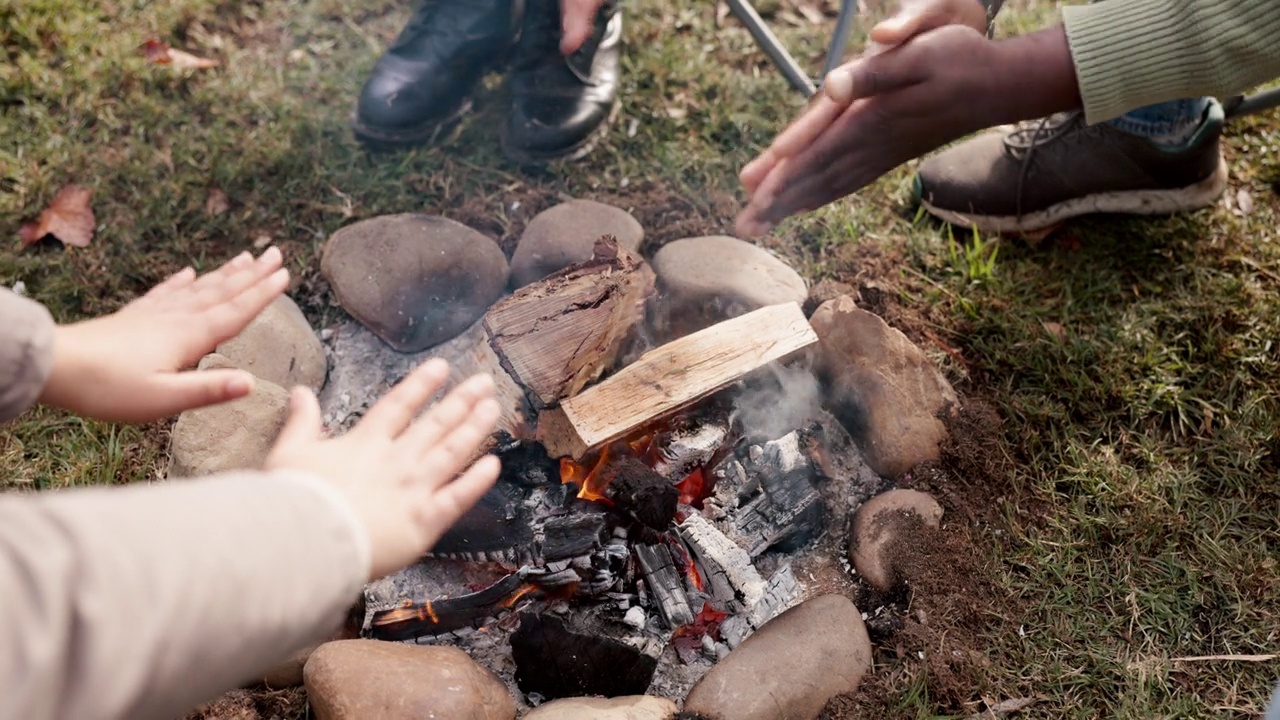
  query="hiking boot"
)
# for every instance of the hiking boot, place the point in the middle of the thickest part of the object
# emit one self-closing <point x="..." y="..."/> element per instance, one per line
<point x="423" y="83"/>
<point x="1046" y="171"/>
<point x="561" y="105"/>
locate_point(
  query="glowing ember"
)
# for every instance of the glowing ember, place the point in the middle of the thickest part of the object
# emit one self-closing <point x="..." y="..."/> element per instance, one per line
<point x="693" y="489"/>
<point x="515" y="597"/>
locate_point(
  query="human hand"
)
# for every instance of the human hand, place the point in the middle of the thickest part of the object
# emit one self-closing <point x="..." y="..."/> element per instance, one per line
<point x="912" y="18"/>
<point x="576" y="20"/>
<point x="909" y="100"/>
<point x="400" y="475"/>
<point x="126" y="367"/>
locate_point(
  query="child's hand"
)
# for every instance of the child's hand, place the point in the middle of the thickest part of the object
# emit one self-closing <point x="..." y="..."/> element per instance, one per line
<point x="125" y="367"/>
<point x="400" y="475"/>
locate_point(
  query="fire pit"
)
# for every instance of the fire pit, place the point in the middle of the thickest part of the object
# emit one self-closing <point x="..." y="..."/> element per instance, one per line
<point x="678" y="475"/>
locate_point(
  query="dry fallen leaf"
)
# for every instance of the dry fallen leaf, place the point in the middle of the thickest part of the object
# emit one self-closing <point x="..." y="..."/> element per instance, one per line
<point x="1055" y="330"/>
<point x="1244" y="202"/>
<point x="158" y="53"/>
<point x="68" y="218"/>
<point x="217" y="203"/>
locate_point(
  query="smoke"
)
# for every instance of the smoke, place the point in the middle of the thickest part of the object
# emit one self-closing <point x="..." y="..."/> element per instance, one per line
<point x="780" y="400"/>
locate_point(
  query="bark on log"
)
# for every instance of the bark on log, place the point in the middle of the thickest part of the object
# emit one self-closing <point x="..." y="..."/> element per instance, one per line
<point x="671" y="377"/>
<point x="557" y="335"/>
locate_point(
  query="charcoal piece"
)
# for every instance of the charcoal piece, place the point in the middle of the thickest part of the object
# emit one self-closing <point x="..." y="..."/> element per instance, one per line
<point x="665" y="583"/>
<point x="435" y="617"/>
<point x="726" y="567"/>
<point x="783" y="511"/>
<point x="525" y="463"/>
<point x="573" y="535"/>
<point x="556" y="661"/>
<point x="497" y="523"/>
<point x="689" y="444"/>
<point x="635" y="489"/>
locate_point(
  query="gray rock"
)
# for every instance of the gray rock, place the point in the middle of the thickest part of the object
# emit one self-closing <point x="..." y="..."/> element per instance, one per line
<point x="628" y="707"/>
<point x="414" y="280"/>
<point x="883" y="388"/>
<point x="704" y="280"/>
<point x="288" y="673"/>
<point x="789" y="668"/>
<point x="363" y="679"/>
<point x="884" y="523"/>
<point x="563" y="235"/>
<point x="280" y="347"/>
<point x="235" y="435"/>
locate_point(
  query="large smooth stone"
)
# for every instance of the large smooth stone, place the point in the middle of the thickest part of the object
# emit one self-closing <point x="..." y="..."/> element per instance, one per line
<point x="565" y="234"/>
<point x="414" y="280"/>
<point x="629" y="707"/>
<point x="279" y="346"/>
<point x="705" y="280"/>
<point x="365" y="679"/>
<point x="234" y="435"/>
<point x="789" y="668"/>
<point x="882" y="525"/>
<point x="883" y="388"/>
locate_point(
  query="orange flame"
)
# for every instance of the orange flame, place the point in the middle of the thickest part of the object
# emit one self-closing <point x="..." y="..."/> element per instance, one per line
<point x="515" y="597"/>
<point x="590" y="485"/>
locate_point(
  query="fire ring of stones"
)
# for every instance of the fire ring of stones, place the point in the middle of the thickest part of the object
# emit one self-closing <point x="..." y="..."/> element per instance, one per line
<point x="694" y="472"/>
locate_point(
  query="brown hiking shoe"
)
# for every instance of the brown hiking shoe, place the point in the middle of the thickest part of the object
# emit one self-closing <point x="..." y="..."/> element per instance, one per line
<point x="1049" y="170"/>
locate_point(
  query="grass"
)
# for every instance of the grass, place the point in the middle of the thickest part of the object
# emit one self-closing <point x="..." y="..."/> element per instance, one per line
<point x="1134" y="361"/>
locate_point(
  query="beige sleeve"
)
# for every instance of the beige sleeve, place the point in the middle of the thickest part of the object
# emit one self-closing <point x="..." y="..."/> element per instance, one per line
<point x="143" y="601"/>
<point x="1132" y="53"/>
<point x="26" y="353"/>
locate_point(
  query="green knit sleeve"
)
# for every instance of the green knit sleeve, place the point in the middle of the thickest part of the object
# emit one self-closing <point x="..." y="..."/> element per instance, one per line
<point x="1131" y="53"/>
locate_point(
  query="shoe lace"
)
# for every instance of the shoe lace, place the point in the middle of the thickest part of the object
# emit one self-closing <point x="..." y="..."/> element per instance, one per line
<point x="1030" y="136"/>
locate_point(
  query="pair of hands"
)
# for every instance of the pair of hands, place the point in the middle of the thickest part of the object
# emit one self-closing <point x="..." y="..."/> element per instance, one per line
<point x="919" y="85"/>
<point x="408" y="478"/>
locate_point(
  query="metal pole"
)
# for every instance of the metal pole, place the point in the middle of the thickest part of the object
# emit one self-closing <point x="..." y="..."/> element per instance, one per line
<point x="772" y="47"/>
<point x="840" y="40"/>
<point x="1255" y="103"/>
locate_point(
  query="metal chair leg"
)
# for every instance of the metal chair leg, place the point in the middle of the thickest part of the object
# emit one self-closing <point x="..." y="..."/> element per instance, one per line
<point x="768" y="42"/>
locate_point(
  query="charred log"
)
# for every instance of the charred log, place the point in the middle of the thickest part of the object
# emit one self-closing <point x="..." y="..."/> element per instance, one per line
<point x="782" y="509"/>
<point x="434" y="617"/>
<point x="635" y="489"/>
<point x="557" y="661"/>
<point x="524" y="462"/>
<point x="570" y="536"/>
<point x="665" y="583"/>
<point x="496" y="528"/>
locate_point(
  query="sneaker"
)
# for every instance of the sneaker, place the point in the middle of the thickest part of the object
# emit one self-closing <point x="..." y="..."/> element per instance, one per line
<point x="423" y="83"/>
<point x="561" y="106"/>
<point x="1045" y="171"/>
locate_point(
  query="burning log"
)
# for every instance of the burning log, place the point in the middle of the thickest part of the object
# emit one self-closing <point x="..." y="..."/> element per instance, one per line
<point x="641" y="493"/>
<point x="666" y="584"/>
<point x="496" y="528"/>
<point x="434" y="617"/>
<point x="557" y="335"/>
<point x="556" y="660"/>
<point x="671" y="377"/>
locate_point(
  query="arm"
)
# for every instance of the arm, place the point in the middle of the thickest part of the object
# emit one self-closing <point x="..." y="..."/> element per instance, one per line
<point x="141" y="602"/>
<point x="26" y="353"/>
<point x="1131" y="53"/>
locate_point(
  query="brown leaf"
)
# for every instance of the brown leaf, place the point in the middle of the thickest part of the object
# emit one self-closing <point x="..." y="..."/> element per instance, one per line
<point x="68" y="218"/>
<point x="1055" y="330"/>
<point x="1244" y="202"/>
<point x="217" y="203"/>
<point x="158" y="53"/>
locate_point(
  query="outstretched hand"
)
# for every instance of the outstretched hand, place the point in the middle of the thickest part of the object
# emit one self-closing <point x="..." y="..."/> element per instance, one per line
<point x="128" y="366"/>
<point x="400" y="474"/>
<point x="773" y="169"/>
<point x="900" y="104"/>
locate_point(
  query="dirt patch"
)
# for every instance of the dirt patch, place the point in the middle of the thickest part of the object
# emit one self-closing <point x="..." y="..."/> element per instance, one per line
<point x="255" y="704"/>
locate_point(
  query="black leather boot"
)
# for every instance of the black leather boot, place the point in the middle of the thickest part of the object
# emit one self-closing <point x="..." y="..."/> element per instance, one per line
<point x="424" y="80"/>
<point x="561" y="106"/>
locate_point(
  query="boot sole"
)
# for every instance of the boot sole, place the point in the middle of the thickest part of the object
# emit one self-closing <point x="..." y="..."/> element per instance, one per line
<point x="577" y="152"/>
<point x="380" y="139"/>
<point x="1137" y="202"/>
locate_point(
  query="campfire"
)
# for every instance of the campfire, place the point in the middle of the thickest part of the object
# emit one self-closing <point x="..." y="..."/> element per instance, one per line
<point x="656" y="504"/>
